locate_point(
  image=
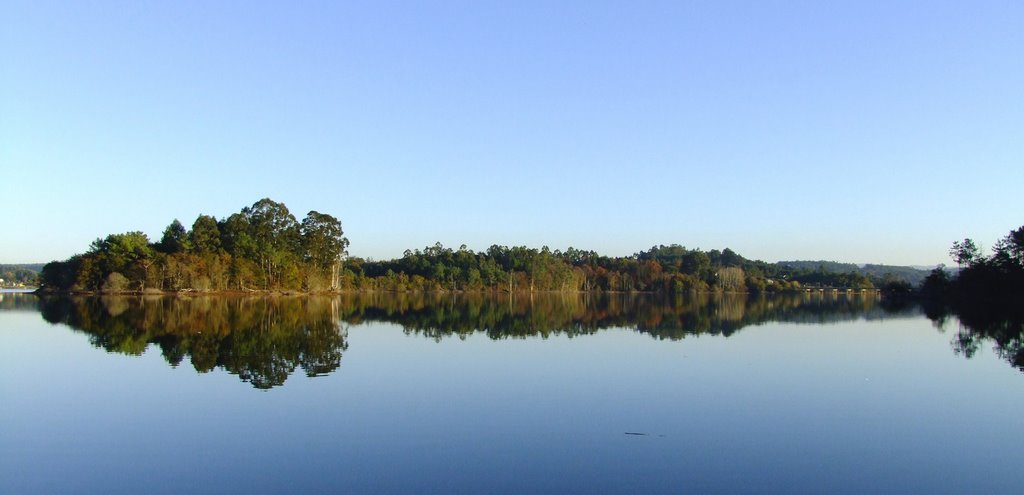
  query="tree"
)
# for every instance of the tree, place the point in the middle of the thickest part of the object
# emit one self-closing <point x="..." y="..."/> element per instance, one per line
<point x="236" y="236"/>
<point x="275" y="235"/>
<point x="205" y="235"/>
<point x="1010" y="249"/>
<point x="964" y="252"/>
<point x="731" y="279"/>
<point x="697" y="263"/>
<point x="648" y="273"/>
<point x="730" y="258"/>
<point x="175" y="239"/>
<point x="115" y="282"/>
<point x="126" y="253"/>
<point x="324" y="243"/>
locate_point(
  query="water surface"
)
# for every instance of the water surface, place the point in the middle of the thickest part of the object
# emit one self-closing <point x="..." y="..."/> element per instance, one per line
<point x="542" y="394"/>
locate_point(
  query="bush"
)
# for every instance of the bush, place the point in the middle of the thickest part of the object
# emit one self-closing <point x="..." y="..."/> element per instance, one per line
<point x="115" y="282"/>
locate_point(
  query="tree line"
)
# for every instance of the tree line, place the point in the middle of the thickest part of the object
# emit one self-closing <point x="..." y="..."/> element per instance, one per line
<point x="666" y="269"/>
<point x="994" y="279"/>
<point x="875" y="272"/>
<point x="264" y="247"/>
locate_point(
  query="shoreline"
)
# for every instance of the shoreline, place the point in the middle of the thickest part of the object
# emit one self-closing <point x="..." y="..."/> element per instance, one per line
<point x="285" y="292"/>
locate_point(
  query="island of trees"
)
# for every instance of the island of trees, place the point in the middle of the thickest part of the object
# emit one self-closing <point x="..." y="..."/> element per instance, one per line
<point x="264" y="247"/>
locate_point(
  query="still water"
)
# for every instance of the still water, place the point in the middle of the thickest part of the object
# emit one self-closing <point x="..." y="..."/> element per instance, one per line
<point x="464" y="394"/>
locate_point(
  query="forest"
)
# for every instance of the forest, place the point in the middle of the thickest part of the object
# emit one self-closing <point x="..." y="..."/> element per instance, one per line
<point x="264" y="247"/>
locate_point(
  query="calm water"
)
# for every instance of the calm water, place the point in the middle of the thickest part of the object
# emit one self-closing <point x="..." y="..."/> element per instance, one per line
<point x="555" y="394"/>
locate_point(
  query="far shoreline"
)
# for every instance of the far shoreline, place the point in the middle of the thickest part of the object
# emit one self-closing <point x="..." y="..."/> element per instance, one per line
<point x="285" y="292"/>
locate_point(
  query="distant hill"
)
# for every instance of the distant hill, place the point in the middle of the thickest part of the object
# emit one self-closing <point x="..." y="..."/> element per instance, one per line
<point x="911" y="274"/>
<point x="32" y="267"/>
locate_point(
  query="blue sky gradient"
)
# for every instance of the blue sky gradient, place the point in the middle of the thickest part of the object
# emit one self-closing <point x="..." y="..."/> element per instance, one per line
<point x="849" y="131"/>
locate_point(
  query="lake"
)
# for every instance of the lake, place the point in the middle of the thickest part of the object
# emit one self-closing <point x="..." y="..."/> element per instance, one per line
<point x="383" y="393"/>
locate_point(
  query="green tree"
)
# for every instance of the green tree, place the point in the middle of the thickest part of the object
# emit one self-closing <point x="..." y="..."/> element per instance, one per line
<point x="236" y="236"/>
<point x="175" y="239"/>
<point x="697" y="263"/>
<point x="205" y="235"/>
<point x="730" y="258"/>
<point x="324" y="243"/>
<point x="130" y="254"/>
<point x="275" y="235"/>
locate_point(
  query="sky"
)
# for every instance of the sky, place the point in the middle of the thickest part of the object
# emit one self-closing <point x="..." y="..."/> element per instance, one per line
<point x="865" y="132"/>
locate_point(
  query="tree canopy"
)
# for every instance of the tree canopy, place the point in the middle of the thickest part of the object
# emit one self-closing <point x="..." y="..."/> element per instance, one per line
<point x="261" y="247"/>
<point x="997" y="279"/>
<point x="265" y="247"/>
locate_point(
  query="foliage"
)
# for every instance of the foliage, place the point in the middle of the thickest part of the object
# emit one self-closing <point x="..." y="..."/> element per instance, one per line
<point x="263" y="246"/>
<point x="879" y="275"/>
<point x="671" y="269"/>
<point x="995" y="279"/>
<point x="23" y="275"/>
<point x="986" y="295"/>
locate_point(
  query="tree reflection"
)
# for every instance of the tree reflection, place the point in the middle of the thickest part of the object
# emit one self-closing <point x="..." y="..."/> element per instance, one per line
<point x="438" y="316"/>
<point x="18" y="301"/>
<point x="982" y="322"/>
<point x="264" y="340"/>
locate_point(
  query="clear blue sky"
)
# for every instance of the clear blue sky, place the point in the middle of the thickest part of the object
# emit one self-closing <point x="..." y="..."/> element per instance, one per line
<point x="850" y="131"/>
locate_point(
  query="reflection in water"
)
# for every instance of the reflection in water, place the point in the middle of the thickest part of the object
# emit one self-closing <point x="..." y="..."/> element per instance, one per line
<point x="265" y="339"/>
<point x="18" y="300"/>
<point x="262" y="340"/>
<point x="980" y="323"/>
<point x="437" y="316"/>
